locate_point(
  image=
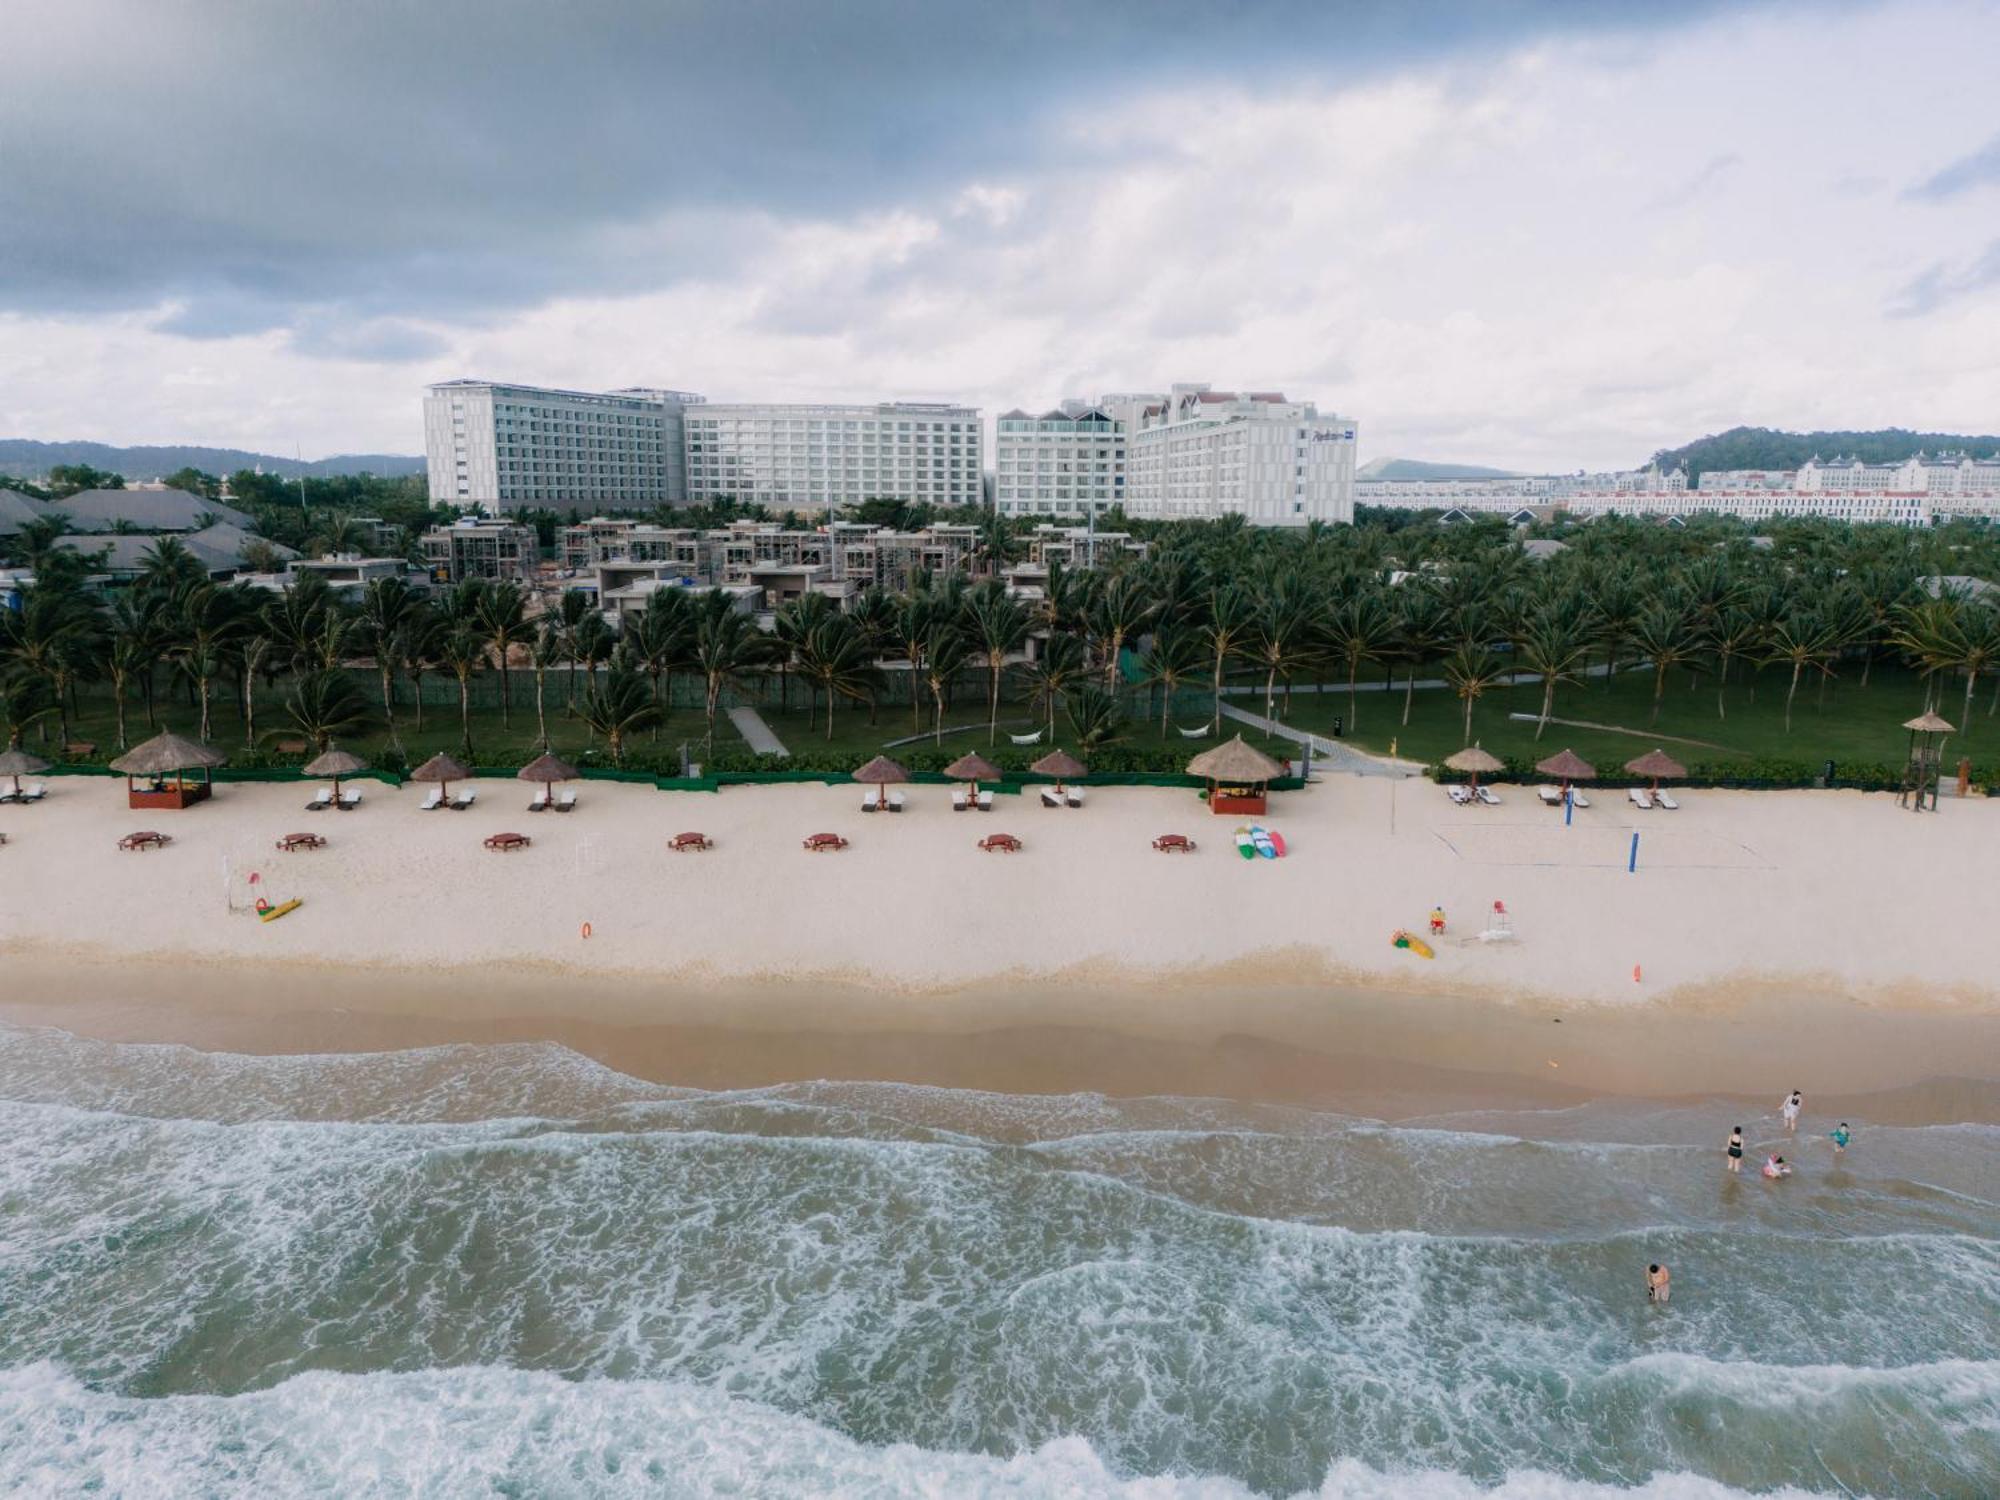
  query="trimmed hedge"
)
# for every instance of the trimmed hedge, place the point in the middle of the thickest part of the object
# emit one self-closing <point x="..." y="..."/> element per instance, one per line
<point x="1755" y="775"/>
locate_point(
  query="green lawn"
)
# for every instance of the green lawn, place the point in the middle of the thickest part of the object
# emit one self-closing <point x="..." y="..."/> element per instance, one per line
<point x="1854" y="725"/>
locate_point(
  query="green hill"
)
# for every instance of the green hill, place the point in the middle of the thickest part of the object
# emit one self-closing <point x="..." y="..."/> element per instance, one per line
<point x="1767" y="448"/>
<point x="24" y="458"/>
<point x="1416" y="468"/>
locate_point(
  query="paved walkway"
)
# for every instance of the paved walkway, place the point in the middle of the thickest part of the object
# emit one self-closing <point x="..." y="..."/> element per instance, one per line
<point x="1328" y="755"/>
<point x="756" y="733"/>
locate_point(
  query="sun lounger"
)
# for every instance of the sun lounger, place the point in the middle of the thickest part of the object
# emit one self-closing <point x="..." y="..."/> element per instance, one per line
<point x="1051" y="797"/>
<point x="464" y="799"/>
<point x="322" y="799"/>
<point x="566" y="802"/>
<point x="34" y="793"/>
<point x="1639" y="798"/>
<point x="1487" y="795"/>
<point x="1549" y="796"/>
<point x="958" y="802"/>
<point x="349" y="800"/>
<point x="540" y="801"/>
<point x="1577" y="799"/>
<point x="1076" y="796"/>
<point x="894" y="802"/>
<point x="871" y="800"/>
<point x="435" y="799"/>
<point x="1663" y="799"/>
<point x="986" y="802"/>
<point x="1459" y="795"/>
<point x="7" y="795"/>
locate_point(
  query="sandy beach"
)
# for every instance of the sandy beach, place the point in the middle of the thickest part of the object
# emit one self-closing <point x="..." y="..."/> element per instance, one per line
<point x="1833" y="927"/>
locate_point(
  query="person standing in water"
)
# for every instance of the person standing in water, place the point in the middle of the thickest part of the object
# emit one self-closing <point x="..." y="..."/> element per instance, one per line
<point x="1659" y="1283"/>
<point x="1841" y="1136"/>
<point x="1736" y="1148"/>
<point x="1790" y="1110"/>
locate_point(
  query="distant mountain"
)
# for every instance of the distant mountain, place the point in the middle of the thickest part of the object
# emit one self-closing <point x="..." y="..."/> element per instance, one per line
<point x="1414" y="468"/>
<point x="22" y="458"/>
<point x="1767" y="448"/>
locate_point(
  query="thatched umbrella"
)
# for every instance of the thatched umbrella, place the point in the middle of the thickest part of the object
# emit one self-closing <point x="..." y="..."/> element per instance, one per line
<point x="336" y="764"/>
<point x="1059" y="764"/>
<point x="548" y="769"/>
<point x="881" y="771"/>
<point x="1658" y="765"/>
<point x="1568" y="765"/>
<point x="18" y="763"/>
<point x="1476" y="763"/>
<point x="1928" y="722"/>
<point x="442" y="769"/>
<point x="168" y="752"/>
<point x="973" y="767"/>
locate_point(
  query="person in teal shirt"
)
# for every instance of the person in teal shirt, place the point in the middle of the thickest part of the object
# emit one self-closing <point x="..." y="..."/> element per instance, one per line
<point x="1841" y="1136"/>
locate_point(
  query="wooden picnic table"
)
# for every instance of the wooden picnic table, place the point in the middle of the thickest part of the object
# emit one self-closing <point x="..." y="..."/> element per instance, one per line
<point x="1174" y="843"/>
<point x="1000" y="843"/>
<point x="817" y="842"/>
<point x="690" y="841"/>
<point x="144" y="839"/>
<point x="293" y="841"/>
<point x="505" y="842"/>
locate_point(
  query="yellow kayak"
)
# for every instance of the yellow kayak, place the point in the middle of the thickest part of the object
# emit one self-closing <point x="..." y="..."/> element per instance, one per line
<point x="1411" y="941"/>
<point x="272" y="913"/>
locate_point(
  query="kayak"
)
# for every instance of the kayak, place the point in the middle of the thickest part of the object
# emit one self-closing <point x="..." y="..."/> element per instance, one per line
<point x="1277" y="843"/>
<point x="1412" y="942"/>
<point x="272" y="913"/>
<point x="1261" y="840"/>
<point x="1245" y="845"/>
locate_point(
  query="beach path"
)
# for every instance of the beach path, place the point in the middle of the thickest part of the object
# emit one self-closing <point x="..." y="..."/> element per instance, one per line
<point x="756" y="733"/>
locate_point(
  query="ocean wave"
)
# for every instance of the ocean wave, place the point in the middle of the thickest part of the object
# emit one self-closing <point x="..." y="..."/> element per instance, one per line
<point x="483" y="1430"/>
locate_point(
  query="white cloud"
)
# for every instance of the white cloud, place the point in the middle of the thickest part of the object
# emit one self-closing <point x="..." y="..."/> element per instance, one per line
<point x="1567" y="256"/>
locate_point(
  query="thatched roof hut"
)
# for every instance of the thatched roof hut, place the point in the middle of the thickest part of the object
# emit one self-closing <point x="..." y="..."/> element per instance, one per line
<point x="18" y="763"/>
<point x="1568" y="766"/>
<point x="881" y="771"/>
<point x="1928" y="722"/>
<point x="547" y="768"/>
<point x="442" y="769"/>
<point x="1657" y="764"/>
<point x="166" y="752"/>
<point x="335" y="763"/>
<point x="972" y="767"/>
<point x="1475" y="762"/>
<point x="1237" y="762"/>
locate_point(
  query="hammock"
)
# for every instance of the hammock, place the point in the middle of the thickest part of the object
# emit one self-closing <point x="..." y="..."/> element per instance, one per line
<point x="1195" y="734"/>
<point x="1027" y="739"/>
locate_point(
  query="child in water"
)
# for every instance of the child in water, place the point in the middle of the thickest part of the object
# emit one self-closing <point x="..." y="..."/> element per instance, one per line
<point x="1659" y="1283"/>
<point x="1777" y="1166"/>
<point x="1841" y="1136"/>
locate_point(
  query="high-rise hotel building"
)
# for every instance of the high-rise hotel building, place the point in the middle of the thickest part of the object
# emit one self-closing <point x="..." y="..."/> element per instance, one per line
<point x="1069" y="461"/>
<point x="1205" y="454"/>
<point x="504" y="447"/>
<point x="801" y="457"/>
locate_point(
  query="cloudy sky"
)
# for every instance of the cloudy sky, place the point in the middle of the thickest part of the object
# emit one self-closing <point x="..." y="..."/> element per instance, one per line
<point x="1536" y="233"/>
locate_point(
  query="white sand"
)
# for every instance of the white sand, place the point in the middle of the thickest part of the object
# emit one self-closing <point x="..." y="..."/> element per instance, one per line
<point x="1842" y="892"/>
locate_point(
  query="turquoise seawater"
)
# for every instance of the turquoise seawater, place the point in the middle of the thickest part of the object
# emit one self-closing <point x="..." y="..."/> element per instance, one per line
<point x="506" y="1271"/>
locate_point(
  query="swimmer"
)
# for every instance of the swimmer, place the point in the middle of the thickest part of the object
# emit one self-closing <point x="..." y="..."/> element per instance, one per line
<point x="1659" y="1283"/>
<point x="1790" y="1109"/>
<point x="1841" y="1137"/>
<point x="1777" y="1166"/>
<point x="1736" y="1148"/>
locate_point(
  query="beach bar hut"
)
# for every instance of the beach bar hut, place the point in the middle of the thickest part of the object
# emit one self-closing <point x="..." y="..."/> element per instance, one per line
<point x="334" y="764"/>
<point x="1061" y="765"/>
<point x="18" y="763"/>
<point x="442" y="769"/>
<point x="882" y="771"/>
<point x="162" y="756"/>
<point x="1567" y="766"/>
<point x="1657" y="766"/>
<point x="1238" y="776"/>
<point x="1476" y="763"/>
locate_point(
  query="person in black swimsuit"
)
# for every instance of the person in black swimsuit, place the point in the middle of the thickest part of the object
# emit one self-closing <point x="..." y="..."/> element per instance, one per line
<point x="1736" y="1148"/>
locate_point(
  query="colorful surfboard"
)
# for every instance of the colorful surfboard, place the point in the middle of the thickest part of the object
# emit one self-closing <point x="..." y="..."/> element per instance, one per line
<point x="1261" y="840"/>
<point x="1245" y="845"/>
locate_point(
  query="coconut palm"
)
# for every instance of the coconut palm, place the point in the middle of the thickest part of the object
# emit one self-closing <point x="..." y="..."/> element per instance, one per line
<point x="462" y="652"/>
<point x="916" y="614"/>
<point x="1736" y="632"/>
<point x="835" y="658"/>
<point x="573" y="609"/>
<point x="1423" y="629"/>
<point x="50" y="638"/>
<point x="545" y="652"/>
<point x="1118" y="613"/>
<point x="1555" y="645"/>
<point x="327" y="705"/>
<point x="999" y="625"/>
<point x="1231" y="614"/>
<point x="726" y="648"/>
<point x="1471" y="669"/>
<point x="1053" y="673"/>
<point x="502" y="613"/>
<point x="1803" y="638"/>
<point x="657" y="637"/>
<point x="1665" y="632"/>
<point x="618" y="706"/>
<point x="386" y="604"/>
<point x="206" y="620"/>
<point x="1360" y="629"/>
<point x="945" y="652"/>
<point x="1095" y="719"/>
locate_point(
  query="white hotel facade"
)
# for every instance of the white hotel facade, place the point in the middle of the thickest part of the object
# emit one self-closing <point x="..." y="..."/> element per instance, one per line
<point x="1202" y="454"/>
<point x="807" y="457"/>
<point x="508" y="446"/>
<point x="1069" y="461"/>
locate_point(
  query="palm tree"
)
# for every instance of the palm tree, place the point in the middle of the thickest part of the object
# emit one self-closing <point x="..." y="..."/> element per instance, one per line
<point x="1803" y="638"/>
<point x="590" y="645"/>
<point x="1095" y="719"/>
<point x="1118" y="613"/>
<point x="1735" y="632"/>
<point x="462" y="651"/>
<point x="618" y="706"/>
<point x="134" y="648"/>
<point x="657" y="638"/>
<point x="1231" y="614"/>
<point x="1665" y="631"/>
<point x="915" y="616"/>
<point x="1054" y="672"/>
<point x="836" y="659"/>
<point x="999" y="625"/>
<point x="544" y="652"/>
<point x="725" y="649"/>
<point x="24" y="700"/>
<point x="1471" y="669"/>
<point x="385" y="605"/>
<point x="1555" y="645"/>
<point x="945" y="652"/>
<point x="1174" y="655"/>
<point x="571" y="612"/>
<point x="206" y="621"/>
<point x="1422" y="630"/>
<point x="1359" y="630"/>
<point x="503" y="620"/>
<point x="326" y="705"/>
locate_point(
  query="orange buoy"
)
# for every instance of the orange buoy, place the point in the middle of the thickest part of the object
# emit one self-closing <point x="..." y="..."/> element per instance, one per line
<point x="586" y="929"/>
<point x="1635" y="973"/>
